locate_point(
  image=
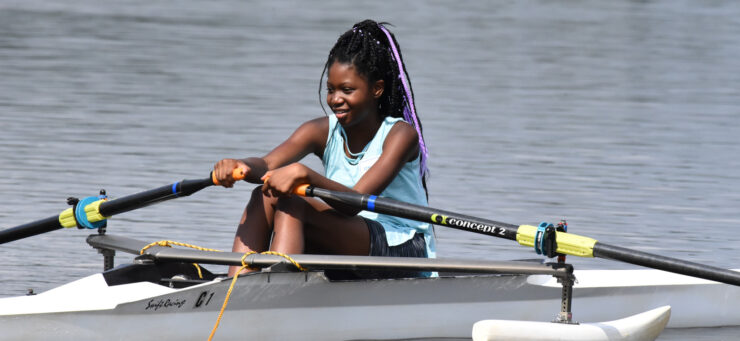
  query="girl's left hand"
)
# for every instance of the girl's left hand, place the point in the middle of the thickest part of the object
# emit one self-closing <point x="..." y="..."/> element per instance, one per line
<point x="281" y="181"/>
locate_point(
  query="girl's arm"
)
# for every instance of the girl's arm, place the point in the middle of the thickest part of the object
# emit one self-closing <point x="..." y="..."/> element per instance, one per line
<point x="399" y="147"/>
<point x="310" y="137"/>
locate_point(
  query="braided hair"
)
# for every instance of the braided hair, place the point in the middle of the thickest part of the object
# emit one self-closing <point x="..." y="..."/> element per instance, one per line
<point x="374" y="52"/>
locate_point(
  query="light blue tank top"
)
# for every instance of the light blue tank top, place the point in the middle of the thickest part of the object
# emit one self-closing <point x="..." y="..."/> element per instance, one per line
<point x="406" y="186"/>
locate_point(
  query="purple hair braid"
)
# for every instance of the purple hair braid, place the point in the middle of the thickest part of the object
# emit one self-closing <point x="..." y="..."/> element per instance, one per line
<point x="409" y="113"/>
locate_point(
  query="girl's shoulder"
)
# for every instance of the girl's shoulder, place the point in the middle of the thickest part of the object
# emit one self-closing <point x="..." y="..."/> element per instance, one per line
<point x="402" y="136"/>
<point x="399" y="126"/>
<point x="393" y="120"/>
<point x="316" y="131"/>
<point x="314" y="126"/>
<point x="321" y="122"/>
<point x="396" y="125"/>
<point x="311" y="131"/>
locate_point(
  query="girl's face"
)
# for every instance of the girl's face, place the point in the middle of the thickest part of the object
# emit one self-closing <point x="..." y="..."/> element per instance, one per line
<point x="350" y="96"/>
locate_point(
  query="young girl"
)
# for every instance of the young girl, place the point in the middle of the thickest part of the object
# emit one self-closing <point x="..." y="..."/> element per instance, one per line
<point x="371" y="144"/>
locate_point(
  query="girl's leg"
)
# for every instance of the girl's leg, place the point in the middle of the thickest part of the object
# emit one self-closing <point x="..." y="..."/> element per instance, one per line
<point x="306" y="223"/>
<point x="255" y="227"/>
<point x="288" y="227"/>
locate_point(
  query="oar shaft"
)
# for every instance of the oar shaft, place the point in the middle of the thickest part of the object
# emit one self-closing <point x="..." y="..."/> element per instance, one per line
<point x="108" y="208"/>
<point x="567" y="243"/>
<point x="30" y="229"/>
<point x="674" y="265"/>
<point x="417" y="212"/>
<point x="113" y="207"/>
<point x="153" y="196"/>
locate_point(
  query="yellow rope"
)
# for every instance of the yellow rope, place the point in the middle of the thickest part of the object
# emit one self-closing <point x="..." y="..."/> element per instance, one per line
<point x="169" y="243"/>
<point x="197" y="267"/>
<point x="236" y="276"/>
<point x="286" y="257"/>
<point x="228" y="294"/>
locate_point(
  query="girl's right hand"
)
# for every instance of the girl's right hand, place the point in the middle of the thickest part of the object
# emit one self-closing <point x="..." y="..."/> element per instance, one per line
<point x="224" y="169"/>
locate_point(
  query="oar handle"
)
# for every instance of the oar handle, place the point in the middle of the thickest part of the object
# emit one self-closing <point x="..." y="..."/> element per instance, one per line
<point x="301" y="189"/>
<point x="236" y="174"/>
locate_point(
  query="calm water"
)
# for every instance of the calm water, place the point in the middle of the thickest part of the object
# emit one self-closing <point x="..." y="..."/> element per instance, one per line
<point x="621" y="117"/>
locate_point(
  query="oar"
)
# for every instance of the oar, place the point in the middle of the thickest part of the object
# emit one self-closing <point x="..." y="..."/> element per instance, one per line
<point x="567" y="243"/>
<point x="89" y="211"/>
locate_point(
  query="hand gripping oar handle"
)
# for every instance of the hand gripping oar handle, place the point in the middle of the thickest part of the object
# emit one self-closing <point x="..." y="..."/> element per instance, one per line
<point x="236" y="174"/>
<point x="102" y="209"/>
<point x="567" y="243"/>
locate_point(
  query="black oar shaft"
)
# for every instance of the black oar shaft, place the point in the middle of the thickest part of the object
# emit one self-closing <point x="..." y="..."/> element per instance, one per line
<point x="419" y="213"/>
<point x="674" y="265"/>
<point x="116" y="206"/>
<point x="30" y="229"/>
<point x="108" y="208"/>
<point x="584" y="246"/>
<point x="153" y="196"/>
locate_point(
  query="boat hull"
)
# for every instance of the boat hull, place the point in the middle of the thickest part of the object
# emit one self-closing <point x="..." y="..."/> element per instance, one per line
<point x="309" y="306"/>
<point x="278" y="306"/>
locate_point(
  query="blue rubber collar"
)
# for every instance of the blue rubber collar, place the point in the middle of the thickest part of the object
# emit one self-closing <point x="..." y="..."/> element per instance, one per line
<point x="81" y="216"/>
<point x="539" y="238"/>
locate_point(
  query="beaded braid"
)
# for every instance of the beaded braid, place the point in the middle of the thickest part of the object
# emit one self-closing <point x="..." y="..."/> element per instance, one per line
<point x="409" y="109"/>
<point x="373" y="51"/>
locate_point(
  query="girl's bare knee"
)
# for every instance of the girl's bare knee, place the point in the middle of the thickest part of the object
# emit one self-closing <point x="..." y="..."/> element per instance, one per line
<point x="291" y="205"/>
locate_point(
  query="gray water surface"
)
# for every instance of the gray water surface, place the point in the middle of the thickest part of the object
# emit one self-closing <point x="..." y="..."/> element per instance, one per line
<point x="621" y="117"/>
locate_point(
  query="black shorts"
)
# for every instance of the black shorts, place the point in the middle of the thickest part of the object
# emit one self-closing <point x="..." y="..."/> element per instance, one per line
<point x="414" y="247"/>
